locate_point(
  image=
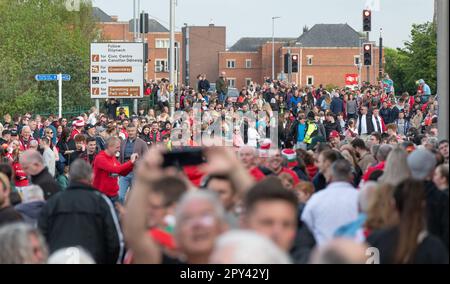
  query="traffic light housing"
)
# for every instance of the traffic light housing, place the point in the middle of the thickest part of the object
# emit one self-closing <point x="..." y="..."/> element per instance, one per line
<point x="286" y="63"/>
<point x="143" y="23"/>
<point x="367" y="20"/>
<point x="294" y="61"/>
<point x="367" y="51"/>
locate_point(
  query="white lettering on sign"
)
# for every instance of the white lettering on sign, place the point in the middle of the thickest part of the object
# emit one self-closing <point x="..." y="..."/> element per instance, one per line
<point x="121" y="66"/>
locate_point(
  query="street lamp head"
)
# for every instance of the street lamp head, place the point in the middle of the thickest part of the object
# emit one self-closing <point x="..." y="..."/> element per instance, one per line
<point x="274" y="18"/>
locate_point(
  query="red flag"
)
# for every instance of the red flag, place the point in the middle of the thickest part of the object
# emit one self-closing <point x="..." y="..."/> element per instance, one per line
<point x="351" y="79"/>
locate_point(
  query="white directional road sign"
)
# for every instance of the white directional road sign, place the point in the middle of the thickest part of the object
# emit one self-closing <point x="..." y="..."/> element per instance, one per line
<point x="117" y="70"/>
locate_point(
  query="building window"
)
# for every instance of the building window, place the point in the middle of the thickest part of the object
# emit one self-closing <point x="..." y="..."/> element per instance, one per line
<point x="310" y="80"/>
<point x="356" y="60"/>
<point x="231" y="82"/>
<point x="231" y="63"/>
<point x="248" y="63"/>
<point x="309" y="60"/>
<point x="161" y="65"/>
<point x="162" y="43"/>
<point x="248" y="81"/>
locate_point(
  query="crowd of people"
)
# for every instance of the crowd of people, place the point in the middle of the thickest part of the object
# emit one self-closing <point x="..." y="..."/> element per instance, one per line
<point x="309" y="176"/>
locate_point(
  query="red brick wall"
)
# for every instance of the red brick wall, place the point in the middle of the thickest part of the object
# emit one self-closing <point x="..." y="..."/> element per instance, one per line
<point x="117" y="31"/>
<point x="161" y="53"/>
<point x="205" y="45"/>
<point x="329" y="66"/>
<point x="240" y="73"/>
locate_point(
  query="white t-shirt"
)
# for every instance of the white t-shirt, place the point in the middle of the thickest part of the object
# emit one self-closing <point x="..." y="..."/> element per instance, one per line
<point x="253" y="137"/>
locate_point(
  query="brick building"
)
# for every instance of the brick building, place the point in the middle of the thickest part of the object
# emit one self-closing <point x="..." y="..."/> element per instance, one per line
<point x="201" y="47"/>
<point x="326" y="52"/>
<point x="158" y="39"/>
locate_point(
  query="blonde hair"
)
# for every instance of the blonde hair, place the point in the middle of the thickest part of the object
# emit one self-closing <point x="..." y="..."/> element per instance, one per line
<point x="396" y="168"/>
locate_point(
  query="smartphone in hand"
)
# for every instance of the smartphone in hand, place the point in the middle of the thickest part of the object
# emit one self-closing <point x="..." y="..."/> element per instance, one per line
<point x="184" y="157"/>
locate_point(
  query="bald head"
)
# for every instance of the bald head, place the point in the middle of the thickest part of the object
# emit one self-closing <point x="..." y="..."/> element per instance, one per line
<point x="32" y="162"/>
<point x="340" y="251"/>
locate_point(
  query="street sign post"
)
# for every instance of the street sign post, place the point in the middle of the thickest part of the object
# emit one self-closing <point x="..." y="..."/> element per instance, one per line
<point x="51" y="77"/>
<point x="55" y="77"/>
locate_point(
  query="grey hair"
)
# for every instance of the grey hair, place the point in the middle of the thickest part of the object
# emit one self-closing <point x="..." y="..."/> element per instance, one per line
<point x="200" y="195"/>
<point x="253" y="150"/>
<point x="33" y="193"/>
<point x="112" y="140"/>
<point x="247" y="247"/>
<point x="15" y="245"/>
<point x="396" y="168"/>
<point x="71" y="255"/>
<point x="80" y="170"/>
<point x="25" y="127"/>
<point x="366" y="194"/>
<point x="341" y="170"/>
<point x="383" y="152"/>
<point x="31" y="156"/>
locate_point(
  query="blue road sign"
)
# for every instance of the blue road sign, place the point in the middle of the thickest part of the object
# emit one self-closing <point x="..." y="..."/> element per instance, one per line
<point x="51" y="77"/>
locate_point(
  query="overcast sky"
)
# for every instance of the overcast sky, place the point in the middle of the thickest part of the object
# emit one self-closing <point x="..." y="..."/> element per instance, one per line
<point x="253" y="18"/>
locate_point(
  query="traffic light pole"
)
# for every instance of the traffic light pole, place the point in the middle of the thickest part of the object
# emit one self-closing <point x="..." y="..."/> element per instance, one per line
<point x="368" y="67"/>
<point x="442" y="67"/>
<point x="289" y="66"/>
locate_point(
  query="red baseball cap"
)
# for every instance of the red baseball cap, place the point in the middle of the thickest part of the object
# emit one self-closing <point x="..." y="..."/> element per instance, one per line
<point x="334" y="134"/>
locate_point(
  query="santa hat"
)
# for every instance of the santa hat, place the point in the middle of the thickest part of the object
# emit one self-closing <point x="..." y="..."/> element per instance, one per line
<point x="265" y="144"/>
<point x="79" y="122"/>
<point x="291" y="157"/>
<point x="264" y="148"/>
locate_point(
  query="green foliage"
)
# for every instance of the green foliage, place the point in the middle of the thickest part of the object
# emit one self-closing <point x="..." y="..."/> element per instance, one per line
<point x="417" y="60"/>
<point x="331" y="87"/>
<point x="39" y="37"/>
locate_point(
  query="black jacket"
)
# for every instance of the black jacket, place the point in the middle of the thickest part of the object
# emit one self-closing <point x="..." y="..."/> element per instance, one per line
<point x="437" y="212"/>
<point x="430" y="250"/>
<point x="331" y="126"/>
<point x="48" y="184"/>
<point x="369" y="124"/>
<point x="203" y="86"/>
<point x="82" y="216"/>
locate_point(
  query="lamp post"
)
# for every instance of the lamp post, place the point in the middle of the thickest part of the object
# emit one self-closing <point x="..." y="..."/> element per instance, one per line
<point x="273" y="46"/>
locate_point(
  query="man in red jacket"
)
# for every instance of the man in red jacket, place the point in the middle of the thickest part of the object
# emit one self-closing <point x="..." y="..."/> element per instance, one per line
<point x="107" y="169"/>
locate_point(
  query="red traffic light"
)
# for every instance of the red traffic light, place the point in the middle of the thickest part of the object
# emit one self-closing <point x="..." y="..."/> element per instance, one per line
<point x="367" y="47"/>
<point x="367" y="13"/>
<point x="294" y="57"/>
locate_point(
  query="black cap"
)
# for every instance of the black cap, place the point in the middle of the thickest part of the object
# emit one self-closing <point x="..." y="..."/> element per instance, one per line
<point x="14" y="132"/>
<point x="6" y="132"/>
<point x="89" y="126"/>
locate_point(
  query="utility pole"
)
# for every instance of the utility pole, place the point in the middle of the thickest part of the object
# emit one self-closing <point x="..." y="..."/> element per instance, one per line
<point x="380" y="74"/>
<point x="172" y="58"/>
<point x="442" y="66"/>
<point x="273" y="46"/>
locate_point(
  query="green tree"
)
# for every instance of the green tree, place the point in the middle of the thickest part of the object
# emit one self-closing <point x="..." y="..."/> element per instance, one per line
<point x="417" y="60"/>
<point x="41" y="36"/>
